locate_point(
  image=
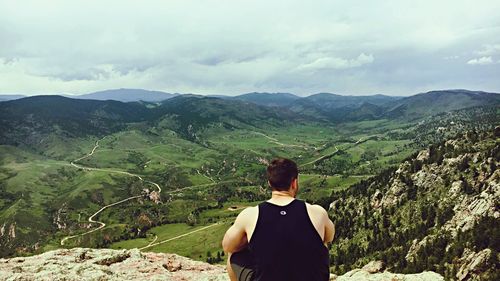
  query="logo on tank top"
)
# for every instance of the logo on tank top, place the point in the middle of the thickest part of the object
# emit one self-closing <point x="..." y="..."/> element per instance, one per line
<point x="282" y="213"/>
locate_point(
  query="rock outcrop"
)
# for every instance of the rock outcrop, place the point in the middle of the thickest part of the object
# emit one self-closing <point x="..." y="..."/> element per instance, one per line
<point x="359" y="274"/>
<point x="105" y="264"/>
<point x="80" y="264"/>
<point x="374" y="271"/>
<point x="474" y="264"/>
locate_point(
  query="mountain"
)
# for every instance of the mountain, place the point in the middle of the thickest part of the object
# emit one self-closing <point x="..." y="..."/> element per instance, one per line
<point x="203" y="110"/>
<point x="324" y="106"/>
<point x="351" y="112"/>
<point x="28" y="120"/>
<point x="365" y="111"/>
<point x="268" y="99"/>
<point x="331" y="101"/>
<point x="127" y="95"/>
<point x="435" y="211"/>
<point x="192" y="113"/>
<point x="435" y="102"/>
<point x="10" y="97"/>
<point x="342" y="108"/>
<point x="355" y="108"/>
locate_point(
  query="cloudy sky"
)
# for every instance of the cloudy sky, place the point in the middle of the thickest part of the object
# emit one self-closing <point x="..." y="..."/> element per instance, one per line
<point x="230" y="47"/>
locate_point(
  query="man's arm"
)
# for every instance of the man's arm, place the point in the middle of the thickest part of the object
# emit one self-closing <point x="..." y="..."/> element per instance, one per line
<point x="329" y="226"/>
<point x="235" y="238"/>
<point x="329" y="230"/>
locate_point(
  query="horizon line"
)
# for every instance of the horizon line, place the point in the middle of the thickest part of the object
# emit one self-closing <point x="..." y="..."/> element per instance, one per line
<point x="235" y="95"/>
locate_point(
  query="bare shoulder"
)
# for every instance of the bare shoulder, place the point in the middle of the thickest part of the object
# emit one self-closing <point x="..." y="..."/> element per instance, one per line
<point x="317" y="209"/>
<point x="248" y="213"/>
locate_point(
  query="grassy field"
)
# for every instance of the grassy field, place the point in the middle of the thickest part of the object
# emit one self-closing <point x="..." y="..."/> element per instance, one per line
<point x="182" y="239"/>
<point x="163" y="232"/>
<point x="196" y="246"/>
<point x="202" y="182"/>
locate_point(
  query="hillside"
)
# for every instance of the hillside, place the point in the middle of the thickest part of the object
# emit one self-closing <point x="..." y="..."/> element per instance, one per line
<point x="28" y="121"/>
<point x="339" y="108"/>
<point x="435" y="102"/>
<point x="438" y="210"/>
<point x="192" y="113"/>
<point x="33" y="120"/>
<point x="332" y="101"/>
<point x="268" y="99"/>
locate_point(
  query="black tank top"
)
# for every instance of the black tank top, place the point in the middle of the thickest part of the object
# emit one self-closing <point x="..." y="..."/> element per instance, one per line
<point x="286" y="246"/>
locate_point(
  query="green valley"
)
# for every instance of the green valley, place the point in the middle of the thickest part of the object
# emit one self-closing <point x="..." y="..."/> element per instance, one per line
<point x="171" y="176"/>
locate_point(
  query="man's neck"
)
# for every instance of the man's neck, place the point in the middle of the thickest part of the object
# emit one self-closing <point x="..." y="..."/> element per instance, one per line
<point x="281" y="197"/>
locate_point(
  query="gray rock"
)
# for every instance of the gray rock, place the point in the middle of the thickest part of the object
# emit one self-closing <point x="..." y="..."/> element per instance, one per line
<point x="80" y="264"/>
<point x="473" y="264"/>
<point x="105" y="264"/>
<point x="374" y="267"/>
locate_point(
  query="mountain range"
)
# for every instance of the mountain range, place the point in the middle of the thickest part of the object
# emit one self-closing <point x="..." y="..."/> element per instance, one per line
<point x="325" y="106"/>
<point x="123" y="95"/>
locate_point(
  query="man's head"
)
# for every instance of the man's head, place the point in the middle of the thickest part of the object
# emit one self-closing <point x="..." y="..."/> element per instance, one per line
<point x="282" y="173"/>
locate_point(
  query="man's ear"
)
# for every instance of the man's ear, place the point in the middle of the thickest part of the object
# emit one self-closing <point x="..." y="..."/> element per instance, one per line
<point x="295" y="183"/>
<point x="294" y="187"/>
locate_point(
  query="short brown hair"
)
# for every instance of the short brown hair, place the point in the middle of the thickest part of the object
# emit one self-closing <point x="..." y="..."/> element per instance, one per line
<point x="281" y="172"/>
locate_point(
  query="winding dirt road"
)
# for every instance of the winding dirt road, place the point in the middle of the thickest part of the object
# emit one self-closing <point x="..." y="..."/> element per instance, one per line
<point x="151" y="243"/>
<point x="91" y="218"/>
<point x="275" y="141"/>
<point x="322" y="157"/>
<point x="361" y="140"/>
<point x="178" y="236"/>
<point x="102" y="224"/>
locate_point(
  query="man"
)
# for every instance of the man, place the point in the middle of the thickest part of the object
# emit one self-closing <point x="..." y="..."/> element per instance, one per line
<point x="281" y="239"/>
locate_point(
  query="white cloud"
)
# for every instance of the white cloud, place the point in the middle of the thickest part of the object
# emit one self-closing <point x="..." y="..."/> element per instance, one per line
<point x="337" y="63"/>
<point x="481" y="61"/>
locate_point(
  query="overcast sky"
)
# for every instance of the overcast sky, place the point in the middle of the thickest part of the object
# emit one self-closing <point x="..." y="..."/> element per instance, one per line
<point x="232" y="47"/>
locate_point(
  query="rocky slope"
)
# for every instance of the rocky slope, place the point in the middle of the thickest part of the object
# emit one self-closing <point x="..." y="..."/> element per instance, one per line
<point x="104" y="264"/>
<point x="438" y="210"/>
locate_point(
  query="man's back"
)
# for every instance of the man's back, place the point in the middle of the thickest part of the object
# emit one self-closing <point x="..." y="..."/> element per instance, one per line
<point x="283" y="238"/>
<point x="317" y="215"/>
<point x="286" y="245"/>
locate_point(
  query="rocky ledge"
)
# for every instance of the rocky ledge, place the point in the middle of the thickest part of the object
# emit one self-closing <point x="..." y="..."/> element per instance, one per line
<point x="374" y="271"/>
<point x="106" y="264"/>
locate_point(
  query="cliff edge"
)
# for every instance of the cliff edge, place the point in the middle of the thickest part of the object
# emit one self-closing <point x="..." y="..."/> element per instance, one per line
<point x="105" y="264"/>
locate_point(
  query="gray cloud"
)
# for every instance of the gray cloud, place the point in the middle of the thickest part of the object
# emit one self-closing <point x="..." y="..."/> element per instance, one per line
<point x="488" y="50"/>
<point x="229" y="47"/>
